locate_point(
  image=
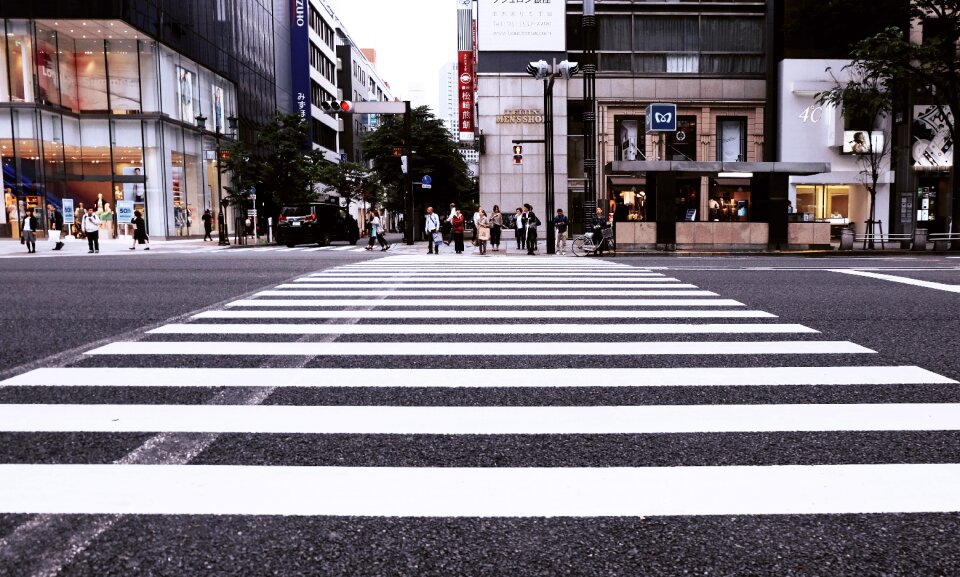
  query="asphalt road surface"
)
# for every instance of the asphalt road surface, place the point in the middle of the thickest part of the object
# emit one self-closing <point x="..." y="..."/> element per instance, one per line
<point x="339" y="413"/>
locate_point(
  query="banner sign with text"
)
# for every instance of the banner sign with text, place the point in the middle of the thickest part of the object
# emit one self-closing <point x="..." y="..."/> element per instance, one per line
<point x="465" y="85"/>
<point x="300" y="63"/>
<point x="124" y="211"/>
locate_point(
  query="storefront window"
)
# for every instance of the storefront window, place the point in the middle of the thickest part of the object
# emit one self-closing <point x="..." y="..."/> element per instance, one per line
<point x="631" y="136"/>
<point x="48" y="75"/>
<point x="69" y="97"/>
<point x="4" y="84"/>
<point x="122" y="62"/>
<point x="20" y="60"/>
<point x="682" y="144"/>
<point x="729" y="200"/>
<point x="688" y="199"/>
<point x="823" y="203"/>
<point x="92" y="76"/>
<point x="149" y="81"/>
<point x="193" y="189"/>
<point x="732" y="139"/>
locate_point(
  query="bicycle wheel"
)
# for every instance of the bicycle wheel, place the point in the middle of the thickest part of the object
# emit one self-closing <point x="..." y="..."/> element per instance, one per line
<point x="578" y="246"/>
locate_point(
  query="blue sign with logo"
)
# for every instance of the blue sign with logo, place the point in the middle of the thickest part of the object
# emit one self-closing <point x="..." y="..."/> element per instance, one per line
<point x="426" y="179"/>
<point x="662" y="118"/>
<point x="300" y="63"/>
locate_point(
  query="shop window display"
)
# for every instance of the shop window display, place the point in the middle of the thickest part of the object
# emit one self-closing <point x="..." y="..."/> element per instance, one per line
<point x="729" y="201"/>
<point x="688" y="199"/>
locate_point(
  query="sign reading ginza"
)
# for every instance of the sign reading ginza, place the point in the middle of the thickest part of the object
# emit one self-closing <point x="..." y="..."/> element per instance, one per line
<point x="521" y="116"/>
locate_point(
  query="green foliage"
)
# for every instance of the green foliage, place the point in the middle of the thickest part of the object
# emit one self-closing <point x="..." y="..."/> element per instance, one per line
<point x="287" y="164"/>
<point x="349" y="180"/>
<point x="237" y="161"/>
<point x="433" y="153"/>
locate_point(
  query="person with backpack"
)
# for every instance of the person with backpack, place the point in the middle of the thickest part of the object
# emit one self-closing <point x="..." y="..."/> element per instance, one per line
<point x="562" y="224"/>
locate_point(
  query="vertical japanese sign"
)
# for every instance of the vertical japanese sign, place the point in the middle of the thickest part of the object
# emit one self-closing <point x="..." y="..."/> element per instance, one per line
<point x="300" y="63"/>
<point x="465" y="84"/>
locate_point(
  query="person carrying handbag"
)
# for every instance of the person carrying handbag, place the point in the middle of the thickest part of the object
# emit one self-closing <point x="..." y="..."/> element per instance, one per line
<point x="431" y="226"/>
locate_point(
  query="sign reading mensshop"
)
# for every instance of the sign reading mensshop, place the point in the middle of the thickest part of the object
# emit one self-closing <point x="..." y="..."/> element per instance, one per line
<point x="299" y="61"/>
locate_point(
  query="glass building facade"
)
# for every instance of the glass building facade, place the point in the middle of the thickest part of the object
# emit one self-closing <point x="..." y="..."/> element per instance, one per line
<point x="99" y="99"/>
<point x="94" y="113"/>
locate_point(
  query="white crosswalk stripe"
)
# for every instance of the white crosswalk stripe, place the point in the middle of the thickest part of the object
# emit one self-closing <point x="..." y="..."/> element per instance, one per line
<point x="583" y="328"/>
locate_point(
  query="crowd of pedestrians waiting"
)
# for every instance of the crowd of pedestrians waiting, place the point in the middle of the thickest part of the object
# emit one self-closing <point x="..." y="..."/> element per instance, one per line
<point x="488" y="229"/>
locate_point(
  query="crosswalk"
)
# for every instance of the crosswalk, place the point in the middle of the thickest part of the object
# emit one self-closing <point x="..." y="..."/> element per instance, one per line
<point x="441" y="347"/>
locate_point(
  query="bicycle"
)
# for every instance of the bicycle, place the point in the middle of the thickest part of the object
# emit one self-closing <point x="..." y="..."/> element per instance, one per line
<point x="583" y="243"/>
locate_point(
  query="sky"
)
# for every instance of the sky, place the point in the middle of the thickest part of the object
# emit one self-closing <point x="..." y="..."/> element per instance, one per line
<point x="413" y="40"/>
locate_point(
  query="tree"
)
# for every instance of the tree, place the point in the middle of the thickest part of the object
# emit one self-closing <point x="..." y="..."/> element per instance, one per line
<point x="350" y="180"/>
<point x="287" y="163"/>
<point x="237" y="160"/>
<point x="930" y="69"/>
<point x="865" y="99"/>
<point x="432" y="152"/>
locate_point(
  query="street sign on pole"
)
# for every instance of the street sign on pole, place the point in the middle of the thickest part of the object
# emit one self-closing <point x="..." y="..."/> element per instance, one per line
<point x="662" y="118"/>
<point x="426" y="181"/>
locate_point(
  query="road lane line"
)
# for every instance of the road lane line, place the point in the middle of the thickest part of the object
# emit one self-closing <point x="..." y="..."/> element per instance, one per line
<point x="431" y="304"/>
<point x="483" y="420"/>
<point x="479" y="329"/>
<point x="494" y="378"/>
<point x="484" y="314"/>
<point x="904" y="280"/>
<point x="479" y="492"/>
<point x="294" y="290"/>
<point x="486" y="284"/>
<point x="381" y="349"/>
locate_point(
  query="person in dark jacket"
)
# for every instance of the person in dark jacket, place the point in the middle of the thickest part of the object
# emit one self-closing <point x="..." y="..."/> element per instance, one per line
<point x="207" y="225"/>
<point x="519" y="232"/>
<point x="530" y="224"/>
<point x="56" y="226"/>
<point x="28" y="230"/>
<point x="140" y="232"/>
<point x="599" y="223"/>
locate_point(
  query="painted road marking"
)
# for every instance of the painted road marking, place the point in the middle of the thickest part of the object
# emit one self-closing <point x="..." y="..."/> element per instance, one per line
<point x="479" y="492"/>
<point x="297" y="291"/>
<point x="493" y="420"/>
<point x="493" y="378"/>
<point x="489" y="303"/>
<point x="904" y="280"/>
<point x="483" y="314"/>
<point x="626" y="349"/>
<point x="479" y="329"/>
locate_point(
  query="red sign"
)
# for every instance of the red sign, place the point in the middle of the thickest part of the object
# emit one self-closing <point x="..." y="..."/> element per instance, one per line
<point x="465" y="74"/>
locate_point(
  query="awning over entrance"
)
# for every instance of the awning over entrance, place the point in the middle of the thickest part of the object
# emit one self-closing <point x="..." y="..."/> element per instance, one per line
<point x="713" y="168"/>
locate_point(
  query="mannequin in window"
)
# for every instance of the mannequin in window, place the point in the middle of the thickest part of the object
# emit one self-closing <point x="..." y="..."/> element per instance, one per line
<point x="99" y="206"/>
<point x="106" y="219"/>
<point x="137" y="187"/>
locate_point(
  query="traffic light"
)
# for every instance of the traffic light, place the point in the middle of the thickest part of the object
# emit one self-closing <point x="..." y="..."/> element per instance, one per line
<point x="517" y="154"/>
<point x="336" y="106"/>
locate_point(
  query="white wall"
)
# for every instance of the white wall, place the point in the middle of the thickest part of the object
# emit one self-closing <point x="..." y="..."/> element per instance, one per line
<point x="502" y="182"/>
<point x="811" y="133"/>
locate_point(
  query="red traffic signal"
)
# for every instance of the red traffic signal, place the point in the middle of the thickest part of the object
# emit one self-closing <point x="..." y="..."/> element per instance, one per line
<point x="517" y="154"/>
<point x="336" y="106"/>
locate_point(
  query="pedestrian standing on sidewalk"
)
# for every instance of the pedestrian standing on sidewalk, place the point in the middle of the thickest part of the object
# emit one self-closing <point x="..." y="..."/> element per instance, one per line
<point x="476" y="226"/>
<point x="28" y="231"/>
<point x="531" y="222"/>
<point x="561" y="223"/>
<point x="56" y="226"/>
<point x="139" y="231"/>
<point x="207" y="225"/>
<point x="519" y="231"/>
<point x="91" y="228"/>
<point x="483" y="231"/>
<point x="431" y="226"/>
<point x="496" y="224"/>
<point x="456" y="224"/>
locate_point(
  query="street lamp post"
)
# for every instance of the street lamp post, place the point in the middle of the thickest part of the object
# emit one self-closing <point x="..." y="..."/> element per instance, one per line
<point x="221" y="203"/>
<point x="547" y="72"/>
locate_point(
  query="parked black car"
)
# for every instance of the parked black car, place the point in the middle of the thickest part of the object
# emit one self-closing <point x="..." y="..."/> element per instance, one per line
<point x="315" y="222"/>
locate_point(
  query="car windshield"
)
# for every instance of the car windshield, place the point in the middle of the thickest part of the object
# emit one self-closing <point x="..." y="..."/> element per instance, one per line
<point x="302" y="210"/>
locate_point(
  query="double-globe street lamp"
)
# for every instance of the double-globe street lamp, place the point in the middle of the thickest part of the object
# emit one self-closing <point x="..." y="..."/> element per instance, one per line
<point x="221" y="202"/>
<point x="541" y="70"/>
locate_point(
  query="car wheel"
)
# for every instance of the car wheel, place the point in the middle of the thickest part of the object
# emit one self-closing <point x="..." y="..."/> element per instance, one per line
<point x="354" y="238"/>
<point x="324" y="239"/>
<point x="290" y="245"/>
